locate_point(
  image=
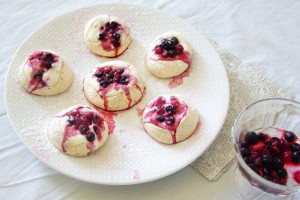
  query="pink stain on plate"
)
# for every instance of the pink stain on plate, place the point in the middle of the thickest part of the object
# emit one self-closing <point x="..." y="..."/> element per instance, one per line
<point x="136" y="175"/>
<point x="178" y="80"/>
<point x="140" y="111"/>
<point x="109" y="118"/>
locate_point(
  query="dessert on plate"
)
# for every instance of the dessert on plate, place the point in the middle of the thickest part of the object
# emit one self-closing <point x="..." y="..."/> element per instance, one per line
<point x="45" y="73"/>
<point x="107" y="35"/>
<point x="169" y="55"/>
<point x="113" y="86"/>
<point x="78" y="131"/>
<point x="170" y="120"/>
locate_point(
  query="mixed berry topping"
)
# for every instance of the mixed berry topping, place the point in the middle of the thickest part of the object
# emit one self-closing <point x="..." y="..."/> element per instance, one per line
<point x="169" y="48"/>
<point x="165" y="114"/>
<point x="87" y="123"/>
<point x="40" y="62"/>
<point x="271" y="156"/>
<point x="108" y="75"/>
<point x="111" y="33"/>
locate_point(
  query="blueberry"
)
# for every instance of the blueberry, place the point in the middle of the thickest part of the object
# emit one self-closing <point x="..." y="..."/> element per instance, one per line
<point x="96" y="129"/>
<point x="266" y="160"/>
<point x="90" y="137"/>
<point x="277" y="163"/>
<point x="251" y="137"/>
<point x="245" y="144"/>
<point x="266" y="171"/>
<point x="254" y="168"/>
<point x="282" y="173"/>
<point x="164" y="41"/>
<point x="102" y="36"/>
<point x="124" y="80"/>
<point x="289" y="136"/>
<point x="95" y="118"/>
<point x="174" y="41"/>
<point x="248" y="160"/>
<point x="49" y="57"/>
<point x="115" y="43"/>
<point x="113" y="25"/>
<point x="169" y="108"/>
<point x="98" y="74"/>
<point x="295" y="147"/>
<point x="296" y="156"/>
<point x="170" y="120"/>
<point x="172" y="53"/>
<point x="104" y="83"/>
<point x="83" y="128"/>
<point x="48" y="64"/>
<point x="110" y="75"/>
<point x="116" y="36"/>
<point x="262" y="137"/>
<point x="71" y="119"/>
<point x="160" y="118"/>
<point x="245" y="152"/>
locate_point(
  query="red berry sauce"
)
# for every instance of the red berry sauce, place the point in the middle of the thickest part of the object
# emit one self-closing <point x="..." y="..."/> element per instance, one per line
<point x="273" y="158"/>
<point x="80" y="121"/>
<point x="166" y="113"/>
<point x="40" y="62"/>
<point x="112" y="78"/>
<point x="171" y="49"/>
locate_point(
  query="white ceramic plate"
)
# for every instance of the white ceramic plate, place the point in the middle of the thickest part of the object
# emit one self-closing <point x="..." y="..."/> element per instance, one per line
<point x="130" y="156"/>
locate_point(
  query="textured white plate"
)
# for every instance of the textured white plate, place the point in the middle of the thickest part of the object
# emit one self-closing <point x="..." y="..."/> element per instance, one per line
<point x="130" y="156"/>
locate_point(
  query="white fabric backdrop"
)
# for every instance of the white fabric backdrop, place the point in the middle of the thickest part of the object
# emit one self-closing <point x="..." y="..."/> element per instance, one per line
<point x="263" y="34"/>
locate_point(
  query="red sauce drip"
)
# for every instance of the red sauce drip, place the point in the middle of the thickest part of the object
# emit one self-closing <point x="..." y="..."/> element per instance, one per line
<point x="109" y="118"/>
<point x="178" y="80"/>
<point x="296" y="177"/>
<point x="184" y="57"/>
<point x="158" y="107"/>
<point x="82" y="118"/>
<point x="40" y="64"/>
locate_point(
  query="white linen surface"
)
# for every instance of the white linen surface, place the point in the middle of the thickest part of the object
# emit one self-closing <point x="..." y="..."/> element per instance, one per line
<point x="264" y="34"/>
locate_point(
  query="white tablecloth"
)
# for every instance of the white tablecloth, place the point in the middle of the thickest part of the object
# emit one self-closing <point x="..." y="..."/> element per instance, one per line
<point x="263" y="34"/>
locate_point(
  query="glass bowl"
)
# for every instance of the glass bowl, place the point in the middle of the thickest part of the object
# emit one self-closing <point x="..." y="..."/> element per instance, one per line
<point x="270" y="116"/>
